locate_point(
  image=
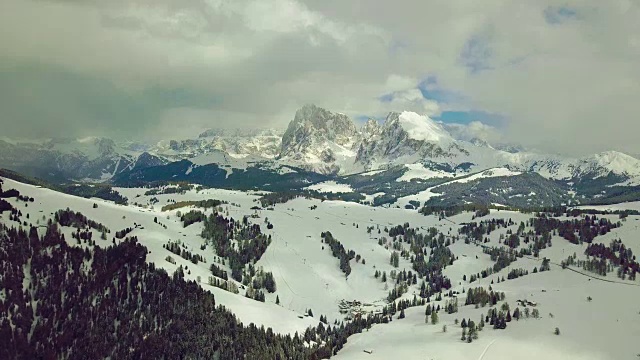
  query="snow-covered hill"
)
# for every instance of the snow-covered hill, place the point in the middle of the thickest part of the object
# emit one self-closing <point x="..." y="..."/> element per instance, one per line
<point x="597" y="316"/>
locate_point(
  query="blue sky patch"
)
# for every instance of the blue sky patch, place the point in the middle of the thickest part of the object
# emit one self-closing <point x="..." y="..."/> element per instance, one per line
<point x="558" y="15"/>
<point x="465" y="117"/>
<point x="430" y="90"/>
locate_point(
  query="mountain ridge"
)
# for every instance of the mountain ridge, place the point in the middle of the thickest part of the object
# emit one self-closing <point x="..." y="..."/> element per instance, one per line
<point x="406" y="148"/>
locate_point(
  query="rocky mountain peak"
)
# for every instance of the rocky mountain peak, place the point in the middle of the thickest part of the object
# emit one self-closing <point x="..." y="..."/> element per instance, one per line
<point x="310" y="118"/>
<point x="371" y="128"/>
<point x="313" y="130"/>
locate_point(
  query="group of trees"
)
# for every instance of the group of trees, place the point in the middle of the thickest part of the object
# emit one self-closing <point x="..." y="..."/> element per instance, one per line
<point x="226" y="285"/>
<point x="240" y="242"/>
<point x="429" y="255"/>
<point x="205" y="204"/>
<point x="4" y="205"/>
<point x="448" y="211"/>
<point x="470" y="329"/>
<point x="339" y="252"/>
<point x="146" y="314"/>
<point x="273" y="198"/>
<point x="264" y="280"/>
<point x="397" y="291"/>
<point x="100" y="191"/>
<point x="617" y="254"/>
<point x="431" y="314"/>
<point x="395" y="259"/>
<point x="158" y="316"/>
<point x="124" y="232"/>
<point x="218" y="272"/>
<point x="192" y="217"/>
<point x="476" y="231"/>
<point x="13" y="193"/>
<point x="170" y="188"/>
<point x="516" y="273"/>
<point x="178" y="248"/>
<point x="480" y="296"/>
<point x="77" y="220"/>
<point x="502" y="257"/>
<point x="255" y="294"/>
<point x="575" y="231"/>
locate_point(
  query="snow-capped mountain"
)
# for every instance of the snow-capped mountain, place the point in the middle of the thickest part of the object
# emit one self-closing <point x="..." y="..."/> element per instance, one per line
<point x="407" y="148"/>
<point x="406" y="138"/>
<point x="327" y="142"/>
<point x="238" y="143"/>
<point x="319" y="140"/>
<point x="91" y="158"/>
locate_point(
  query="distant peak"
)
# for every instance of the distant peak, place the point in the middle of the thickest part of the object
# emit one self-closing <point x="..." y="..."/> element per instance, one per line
<point x="370" y="128"/>
<point x="618" y="162"/>
<point x="239" y="132"/>
<point x="610" y="154"/>
<point x="418" y="127"/>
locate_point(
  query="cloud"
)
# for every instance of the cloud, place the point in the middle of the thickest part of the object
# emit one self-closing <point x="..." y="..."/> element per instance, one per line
<point x="474" y="130"/>
<point x="558" y="15"/>
<point x="404" y="93"/>
<point x="553" y="73"/>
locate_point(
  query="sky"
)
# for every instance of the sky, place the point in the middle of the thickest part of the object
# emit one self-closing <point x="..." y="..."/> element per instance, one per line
<point x="562" y="76"/>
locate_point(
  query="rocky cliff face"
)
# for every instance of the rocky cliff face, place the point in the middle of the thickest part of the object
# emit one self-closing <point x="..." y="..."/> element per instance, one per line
<point x="318" y="138"/>
<point x="313" y="128"/>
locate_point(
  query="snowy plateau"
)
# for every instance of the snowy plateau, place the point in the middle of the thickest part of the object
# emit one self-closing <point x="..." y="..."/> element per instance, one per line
<point x="572" y="310"/>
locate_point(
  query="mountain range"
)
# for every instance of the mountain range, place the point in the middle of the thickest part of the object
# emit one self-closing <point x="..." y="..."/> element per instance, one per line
<point x="406" y="154"/>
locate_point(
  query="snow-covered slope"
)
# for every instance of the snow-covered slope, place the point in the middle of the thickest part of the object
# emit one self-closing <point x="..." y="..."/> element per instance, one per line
<point x="420" y="127"/>
<point x="309" y="277"/>
<point x="419" y="171"/>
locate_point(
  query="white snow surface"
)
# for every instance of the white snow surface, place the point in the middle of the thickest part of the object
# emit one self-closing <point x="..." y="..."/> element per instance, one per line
<point x="308" y="276"/>
<point x="618" y="162"/>
<point x="633" y="205"/>
<point x="331" y="187"/>
<point x="419" y="171"/>
<point x="421" y="127"/>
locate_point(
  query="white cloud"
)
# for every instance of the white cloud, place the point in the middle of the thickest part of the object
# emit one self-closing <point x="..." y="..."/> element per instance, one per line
<point x="474" y="130"/>
<point x="412" y="100"/>
<point x="399" y="83"/>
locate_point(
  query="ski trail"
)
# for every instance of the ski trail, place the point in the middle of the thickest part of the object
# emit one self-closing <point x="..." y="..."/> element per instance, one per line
<point x="486" y="349"/>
